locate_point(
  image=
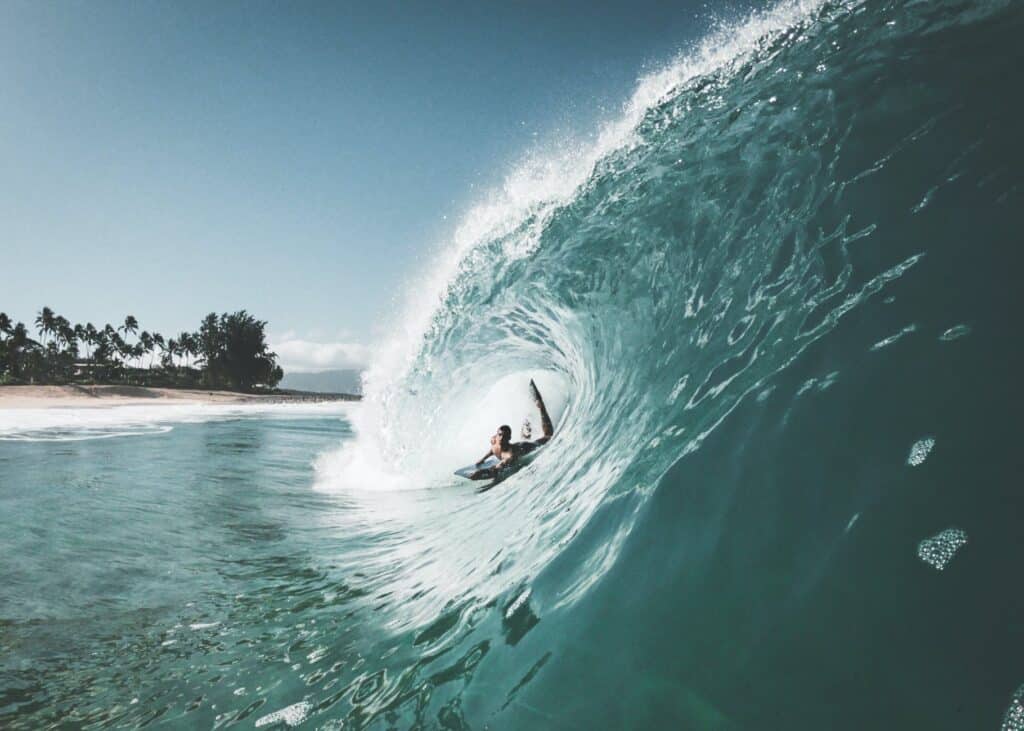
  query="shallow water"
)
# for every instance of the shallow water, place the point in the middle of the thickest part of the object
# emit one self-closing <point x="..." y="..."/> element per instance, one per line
<point x="771" y="307"/>
<point x="142" y="571"/>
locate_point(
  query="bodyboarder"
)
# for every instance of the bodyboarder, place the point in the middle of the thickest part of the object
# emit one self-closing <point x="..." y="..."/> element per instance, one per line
<point x="508" y="451"/>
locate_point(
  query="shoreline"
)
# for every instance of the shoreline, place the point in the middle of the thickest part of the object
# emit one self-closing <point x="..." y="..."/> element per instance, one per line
<point x="75" y="396"/>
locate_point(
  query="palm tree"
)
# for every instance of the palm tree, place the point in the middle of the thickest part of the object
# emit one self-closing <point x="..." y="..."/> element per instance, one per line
<point x="145" y="345"/>
<point x="137" y="351"/>
<point x="5" y="328"/>
<point x="91" y="336"/>
<point x="101" y="354"/>
<point x="86" y="334"/>
<point x="170" y="351"/>
<point x="18" y="343"/>
<point x="45" y="322"/>
<point x="186" y="347"/>
<point x="131" y="325"/>
<point x="121" y="349"/>
<point x="62" y="351"/>
<point x="194" y="348"/>
<point x="67" y="334"/>
<point x="158" y="341"/>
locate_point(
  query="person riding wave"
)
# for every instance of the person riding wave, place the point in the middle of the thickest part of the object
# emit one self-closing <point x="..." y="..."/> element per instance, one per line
<point x="508" y="451"/>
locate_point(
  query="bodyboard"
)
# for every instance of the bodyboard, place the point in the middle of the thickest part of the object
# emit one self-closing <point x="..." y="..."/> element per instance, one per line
<point x="470" y="469"/>
<point x="492" y="460"/>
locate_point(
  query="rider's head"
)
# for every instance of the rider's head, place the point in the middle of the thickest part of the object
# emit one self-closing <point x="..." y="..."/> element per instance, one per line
<point x="506" y="433"/>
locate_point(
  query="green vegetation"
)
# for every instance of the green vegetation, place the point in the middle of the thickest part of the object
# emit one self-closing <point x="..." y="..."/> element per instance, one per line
<point x="228" y="351"/>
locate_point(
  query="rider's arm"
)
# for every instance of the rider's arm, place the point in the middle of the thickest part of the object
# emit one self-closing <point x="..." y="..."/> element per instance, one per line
<point x="545" y="420"/>
<point x="483" y="459"/>
<point x="493" y="470"/>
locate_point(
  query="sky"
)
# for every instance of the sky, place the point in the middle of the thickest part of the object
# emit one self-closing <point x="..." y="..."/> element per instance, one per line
<point x="302" y="161"/>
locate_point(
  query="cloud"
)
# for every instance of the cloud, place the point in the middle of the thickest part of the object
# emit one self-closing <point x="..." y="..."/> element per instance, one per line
<point x="296" y="355"/>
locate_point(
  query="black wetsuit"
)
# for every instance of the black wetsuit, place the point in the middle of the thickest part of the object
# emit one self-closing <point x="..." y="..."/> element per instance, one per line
<point x="522" y="448"/>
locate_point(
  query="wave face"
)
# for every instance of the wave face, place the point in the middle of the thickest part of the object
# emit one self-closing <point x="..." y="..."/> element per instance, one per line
<point x="770" y="301"/>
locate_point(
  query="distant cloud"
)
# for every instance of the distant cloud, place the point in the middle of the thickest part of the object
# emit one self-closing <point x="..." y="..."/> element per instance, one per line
<point x="297" y="355"/>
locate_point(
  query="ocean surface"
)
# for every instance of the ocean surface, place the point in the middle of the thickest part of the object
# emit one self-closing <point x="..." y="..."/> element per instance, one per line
<point x="770" y="304"/>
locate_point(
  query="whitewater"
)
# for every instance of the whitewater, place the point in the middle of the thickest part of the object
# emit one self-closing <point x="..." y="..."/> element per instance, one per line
<point x="769" y="306"/>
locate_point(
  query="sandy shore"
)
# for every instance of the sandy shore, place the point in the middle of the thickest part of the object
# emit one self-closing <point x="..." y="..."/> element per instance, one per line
<point x="42" y="397"/>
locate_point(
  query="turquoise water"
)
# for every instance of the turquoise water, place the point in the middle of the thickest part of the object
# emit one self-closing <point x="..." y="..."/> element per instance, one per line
<point x="143" y="572"/>
<point x="770" y="305"/>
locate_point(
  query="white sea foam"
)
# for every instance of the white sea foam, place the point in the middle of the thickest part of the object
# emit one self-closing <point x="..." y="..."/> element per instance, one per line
<point x="1013" y="719"/>
<point x="460" y="436"/>
<point x="292" y="715"/>
<point x="203" y="625"/>
<point x="939" y="550"/>
<point x="886" y="342"/>
<point x="920" y="450"/>
<point x="104" y="422"/>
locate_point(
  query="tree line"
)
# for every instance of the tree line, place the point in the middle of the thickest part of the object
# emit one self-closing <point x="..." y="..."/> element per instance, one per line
<point x="227" y="351"/>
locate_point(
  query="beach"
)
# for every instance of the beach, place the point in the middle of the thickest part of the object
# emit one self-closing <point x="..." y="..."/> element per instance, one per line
<point x="42" y="397"/>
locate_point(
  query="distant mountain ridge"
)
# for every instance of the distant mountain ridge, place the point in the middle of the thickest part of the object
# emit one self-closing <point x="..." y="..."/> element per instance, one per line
<point x="333" y="381"/>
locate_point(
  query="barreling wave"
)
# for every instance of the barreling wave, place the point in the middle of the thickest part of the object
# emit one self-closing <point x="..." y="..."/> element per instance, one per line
<point x="769" y="192"/>
<point x="653" y="278"/>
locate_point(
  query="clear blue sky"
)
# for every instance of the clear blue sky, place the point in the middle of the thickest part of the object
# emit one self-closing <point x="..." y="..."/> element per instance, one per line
<point x="294" y="159"/>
